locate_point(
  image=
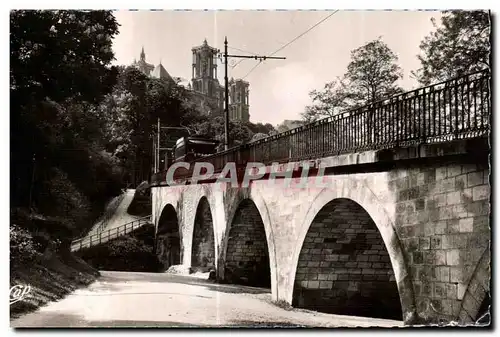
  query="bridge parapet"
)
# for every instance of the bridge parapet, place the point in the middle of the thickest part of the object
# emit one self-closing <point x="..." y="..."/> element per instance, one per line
<point x="452" y="110"/>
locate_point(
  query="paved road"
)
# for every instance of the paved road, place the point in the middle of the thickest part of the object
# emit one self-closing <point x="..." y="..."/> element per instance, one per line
<point x="124" y="299"/>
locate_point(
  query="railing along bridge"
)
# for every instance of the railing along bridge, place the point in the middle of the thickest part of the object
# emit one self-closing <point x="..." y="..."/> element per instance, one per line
<point x="455" y="109"/>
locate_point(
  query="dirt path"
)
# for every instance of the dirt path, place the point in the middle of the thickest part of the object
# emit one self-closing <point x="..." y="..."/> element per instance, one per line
<point x="123" y="299"/>
<point x="120" y="216"/>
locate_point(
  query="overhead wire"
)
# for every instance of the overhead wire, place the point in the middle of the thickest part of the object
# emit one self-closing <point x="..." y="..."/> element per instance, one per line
<point x="295" y="39"/>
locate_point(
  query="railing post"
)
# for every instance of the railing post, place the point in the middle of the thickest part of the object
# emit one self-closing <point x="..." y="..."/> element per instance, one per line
<point x="456" y="109"/>
<point x="100" y="238"/>
<point x="424" y="133"/>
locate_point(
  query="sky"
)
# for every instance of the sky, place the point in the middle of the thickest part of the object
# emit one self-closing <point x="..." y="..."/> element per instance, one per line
<point x="279" y="89"/>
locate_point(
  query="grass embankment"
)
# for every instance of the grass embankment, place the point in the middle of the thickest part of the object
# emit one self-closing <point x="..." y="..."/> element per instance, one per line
<point x="50" y="278"/>
<point x="40" y="258"/>
<point x="131" y="252"/>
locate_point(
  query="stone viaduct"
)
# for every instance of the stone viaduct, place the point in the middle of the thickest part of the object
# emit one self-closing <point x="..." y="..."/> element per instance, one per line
<point x="401" y="233"/>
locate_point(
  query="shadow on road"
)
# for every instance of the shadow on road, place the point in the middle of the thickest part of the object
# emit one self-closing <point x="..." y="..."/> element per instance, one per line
<point x="59" y="320"/>
<point x="117" y="277"/>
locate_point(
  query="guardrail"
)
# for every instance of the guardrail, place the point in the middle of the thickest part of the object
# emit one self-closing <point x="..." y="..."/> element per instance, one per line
<point x="455" y="109"/>
<point x="112" y="233"/>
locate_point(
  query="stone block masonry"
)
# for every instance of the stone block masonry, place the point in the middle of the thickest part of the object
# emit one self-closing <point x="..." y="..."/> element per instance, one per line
<point x="203" y="255"/>
<point x="344" y="267"/>
<point x="247" y="257"/>
<point x="443" y="221"/>
<point x="417" y="229"/>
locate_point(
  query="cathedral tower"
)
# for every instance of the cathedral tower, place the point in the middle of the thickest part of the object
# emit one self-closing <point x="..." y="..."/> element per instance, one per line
<point x="142" y="65"/>
<point x="204" y="71"/>
<point x="239" y="100"/>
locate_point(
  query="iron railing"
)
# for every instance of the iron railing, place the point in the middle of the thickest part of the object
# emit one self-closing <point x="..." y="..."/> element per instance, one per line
<point x="455" y="109"/>
<point x="112" y="233"/>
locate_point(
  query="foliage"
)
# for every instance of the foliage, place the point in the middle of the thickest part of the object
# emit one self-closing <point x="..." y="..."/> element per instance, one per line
<point x="458" y="46"/>
<point x="60" y="69"/>
<point x="131" y="252"/>
<point x="371" y="75"/>
<point x="329" y="102"/>
<point x="62" y="198"/>
<point x="131" y="113"/>
<point x="22" y="245"/>
<point x="61" y="54"/>
<point x="258" y="136"/>
<point x="239" y="132"/>
<point x="260" y="128"/>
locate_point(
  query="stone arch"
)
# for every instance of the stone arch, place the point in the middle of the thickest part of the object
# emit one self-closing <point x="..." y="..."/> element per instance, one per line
<point x="366" y="199"/>
<point x="241" y="197"/>
<point x="195" y="196"/>
<point x="203" y="243"/>
<point x="168" y="243"/>
<point x="343" y="267"/>
<point x="477" y="298"/>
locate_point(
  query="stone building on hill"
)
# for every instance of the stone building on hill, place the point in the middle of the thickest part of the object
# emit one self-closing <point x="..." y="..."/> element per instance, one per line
<point x="205" y="89"/>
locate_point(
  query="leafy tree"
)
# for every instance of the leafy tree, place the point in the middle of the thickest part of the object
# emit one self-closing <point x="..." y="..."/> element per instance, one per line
<point x="260" y="128"/>
<point x="60" y="68"/>
<point x="331" y="101"/>
<point x="371" y="76"/>
<point x="61" y="54"/>
<point x="239" y="133"/>
<point x="460" y="45"/>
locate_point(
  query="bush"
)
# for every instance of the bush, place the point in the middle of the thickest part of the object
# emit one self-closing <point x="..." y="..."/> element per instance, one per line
<point x="131" y="252"/>
<point x="22" y="245"/>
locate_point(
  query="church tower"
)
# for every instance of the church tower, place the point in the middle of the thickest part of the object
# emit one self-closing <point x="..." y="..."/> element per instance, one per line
<point x="204" y="71"/>
<point x="239" y="100"/>
<point x="142" y="65"/>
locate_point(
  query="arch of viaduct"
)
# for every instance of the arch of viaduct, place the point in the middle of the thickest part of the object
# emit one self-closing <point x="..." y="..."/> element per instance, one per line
<point x="410" y="243"/>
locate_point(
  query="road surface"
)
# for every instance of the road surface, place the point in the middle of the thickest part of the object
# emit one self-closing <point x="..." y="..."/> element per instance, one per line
<point x="126" y="299"/>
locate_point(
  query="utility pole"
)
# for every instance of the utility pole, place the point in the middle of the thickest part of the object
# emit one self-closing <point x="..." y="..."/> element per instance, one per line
<point x="226" y="98"/>
<point x="226" y="93"/>
<point x="156" y="143"/>
<point x="157" y="164"/>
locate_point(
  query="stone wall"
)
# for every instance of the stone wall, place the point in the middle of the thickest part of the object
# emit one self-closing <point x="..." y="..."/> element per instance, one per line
<point x="247" y="257"/>
<point x="443" y="222"/>
<point x="432" y="217"/>
<point x="344" y="267"/>
<point x="203" y="255"/>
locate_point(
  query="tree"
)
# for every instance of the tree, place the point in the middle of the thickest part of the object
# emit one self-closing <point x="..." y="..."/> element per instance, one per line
<point x="460" y="45"/>
<point x="260" y="128"/>
<point x="329" y="102"/>
<point x="371" y="76"/>
<point x="61" y="54"/>
<point x="239" y="133"/>
<point x="60" y="67"/>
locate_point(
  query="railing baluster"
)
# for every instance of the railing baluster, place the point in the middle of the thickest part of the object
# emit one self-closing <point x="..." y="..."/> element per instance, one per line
<point x="456" y="110"/>
<point x="424" y="130"/>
